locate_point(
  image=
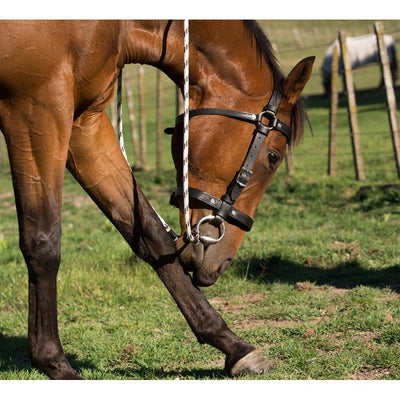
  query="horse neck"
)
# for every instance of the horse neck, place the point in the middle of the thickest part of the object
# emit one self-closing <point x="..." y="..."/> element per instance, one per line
<point x="222" y="56"/>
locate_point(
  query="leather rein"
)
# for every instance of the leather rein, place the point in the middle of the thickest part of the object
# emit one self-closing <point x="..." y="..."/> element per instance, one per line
<point x="223" y="209"/>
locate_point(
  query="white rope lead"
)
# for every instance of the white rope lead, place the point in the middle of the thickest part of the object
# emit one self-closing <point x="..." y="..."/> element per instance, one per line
<point x="122" y="147"/>
<point x="185" y="167"/>
<point x="119" y="116"/>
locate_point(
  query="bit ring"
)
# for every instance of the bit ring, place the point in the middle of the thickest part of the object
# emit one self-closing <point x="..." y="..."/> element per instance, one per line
<point x="207" y="240"/>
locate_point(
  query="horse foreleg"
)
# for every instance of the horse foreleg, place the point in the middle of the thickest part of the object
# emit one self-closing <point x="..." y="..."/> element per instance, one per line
<point x="38" y="152"/>
<point x="97" y="163"/>
<point x="207" y="325"/>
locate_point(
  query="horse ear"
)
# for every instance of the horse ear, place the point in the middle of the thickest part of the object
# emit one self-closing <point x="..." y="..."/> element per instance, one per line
<point x="296" y="80"/>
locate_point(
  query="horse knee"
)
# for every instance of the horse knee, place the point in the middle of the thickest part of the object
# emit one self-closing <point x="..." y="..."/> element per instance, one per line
<point x="41" y="250"/>
<point x="210" y="328"/>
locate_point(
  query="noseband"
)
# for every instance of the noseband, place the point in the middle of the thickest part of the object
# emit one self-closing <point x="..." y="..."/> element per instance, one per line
<point x="223" y="209"/>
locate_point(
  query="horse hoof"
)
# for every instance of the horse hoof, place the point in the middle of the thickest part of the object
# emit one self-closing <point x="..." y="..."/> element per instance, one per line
<point x="64" y="375"/>
<point x="72" y="376"/>
<point x="253" y="363"/>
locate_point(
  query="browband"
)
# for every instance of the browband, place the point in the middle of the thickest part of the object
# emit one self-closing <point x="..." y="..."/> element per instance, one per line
<point x="268" y="113"/>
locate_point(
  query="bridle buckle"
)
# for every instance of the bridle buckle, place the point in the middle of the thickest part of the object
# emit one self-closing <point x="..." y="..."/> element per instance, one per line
<point x="270" y="116"/>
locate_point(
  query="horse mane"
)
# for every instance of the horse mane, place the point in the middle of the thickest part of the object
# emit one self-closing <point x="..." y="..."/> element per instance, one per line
<point x="265" y="52"/>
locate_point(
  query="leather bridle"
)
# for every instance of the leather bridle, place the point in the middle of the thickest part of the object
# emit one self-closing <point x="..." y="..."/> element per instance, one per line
<point x="223" y="209"/>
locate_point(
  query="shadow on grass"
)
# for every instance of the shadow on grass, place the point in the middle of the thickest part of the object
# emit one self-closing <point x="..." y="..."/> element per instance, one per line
<point x="160" y="373"/>
<point x="369" y="97"/>
<point x="345" y="275"/>
<point x="14" y="356"/>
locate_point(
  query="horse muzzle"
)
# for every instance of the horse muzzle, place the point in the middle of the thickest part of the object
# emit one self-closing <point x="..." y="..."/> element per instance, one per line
<point x="205" y="256"/>
<point x="203" y="278"/>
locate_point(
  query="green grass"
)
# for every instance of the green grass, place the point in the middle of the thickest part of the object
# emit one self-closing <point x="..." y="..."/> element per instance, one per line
<point x="315" y="285"/>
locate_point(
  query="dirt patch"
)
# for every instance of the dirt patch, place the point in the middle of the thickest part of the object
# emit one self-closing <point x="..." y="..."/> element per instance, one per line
<point x="236" y="304"/>
<point x="378" y="373"/>
<point x="77" y="200"/>
<point x="339" y="292"/>
<point x="390" y="297"/>
<point x="5" y="196"/>
<point x="350" y="249"/>
<point x="364" y="336"/>
<point x="310" y="287"/>
<point x="291" y="323"/>
<point x="250" y="323"/>
<point x="7" y="202"/>
<point x="130" y="349"/>
<point x="220" y="363"/>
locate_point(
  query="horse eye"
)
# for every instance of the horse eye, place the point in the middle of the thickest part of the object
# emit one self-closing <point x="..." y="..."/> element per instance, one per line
<point x="273" y="159"/>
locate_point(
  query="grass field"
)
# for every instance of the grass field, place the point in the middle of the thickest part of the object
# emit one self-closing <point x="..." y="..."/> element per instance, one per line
<point x="315" y="285"/>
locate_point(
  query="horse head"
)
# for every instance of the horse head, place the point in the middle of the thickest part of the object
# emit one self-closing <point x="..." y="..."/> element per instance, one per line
<point x="222" y="143"/>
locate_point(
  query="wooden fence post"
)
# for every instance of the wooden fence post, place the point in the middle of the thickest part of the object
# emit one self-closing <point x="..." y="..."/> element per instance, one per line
<point x="297" y="38"/>
<point x="3" y="150"/>
<point x="352" y="110"/>
<point x="289" y="162"/>
<point x="159" y="123"/>
<point x="390" y="96"/>
<point x="179" y="102"/>
<point x="132" y="120"/>
<point x="333" y="111"/>
<point x="142" y="117"/>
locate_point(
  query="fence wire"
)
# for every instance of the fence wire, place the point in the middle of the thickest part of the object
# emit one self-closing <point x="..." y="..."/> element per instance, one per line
<point x="289" y="49"/>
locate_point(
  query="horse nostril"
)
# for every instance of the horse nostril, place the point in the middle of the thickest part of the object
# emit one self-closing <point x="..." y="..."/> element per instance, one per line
<point x="190" y="255"/>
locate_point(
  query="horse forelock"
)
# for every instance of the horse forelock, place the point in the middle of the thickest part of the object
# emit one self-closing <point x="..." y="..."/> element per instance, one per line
<point x="265" y="52"/>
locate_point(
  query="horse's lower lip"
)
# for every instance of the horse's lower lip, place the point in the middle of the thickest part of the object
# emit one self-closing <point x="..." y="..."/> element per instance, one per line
<point x="203" y="279"/>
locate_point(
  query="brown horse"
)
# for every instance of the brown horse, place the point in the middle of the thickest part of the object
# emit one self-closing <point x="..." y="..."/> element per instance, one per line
<point x="56" y="78"/>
